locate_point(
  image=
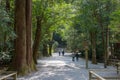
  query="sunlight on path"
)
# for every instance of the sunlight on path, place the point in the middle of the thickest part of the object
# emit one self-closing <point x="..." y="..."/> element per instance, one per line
<point x="60" y="68"/>
<point x="54" y="63"/>
<point x="56" y="68"/>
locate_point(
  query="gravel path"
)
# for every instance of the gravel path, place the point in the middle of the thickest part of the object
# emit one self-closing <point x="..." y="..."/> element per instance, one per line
<point x="62" y="68"/>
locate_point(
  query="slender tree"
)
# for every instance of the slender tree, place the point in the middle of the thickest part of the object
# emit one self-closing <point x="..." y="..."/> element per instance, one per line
<point x="87" y="14"/>
<point x="37" y="39"/>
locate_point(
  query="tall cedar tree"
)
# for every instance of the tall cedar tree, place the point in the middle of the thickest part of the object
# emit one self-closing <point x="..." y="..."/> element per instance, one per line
<point x="29" y="52"/>
<point x="22" y="61"/>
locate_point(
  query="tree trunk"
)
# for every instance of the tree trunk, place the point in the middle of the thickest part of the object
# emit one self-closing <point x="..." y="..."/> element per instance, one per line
<point x="45" y="50"/>
<point x="23" y="60"/>
<point x="29" y="52"/>
<point x="19" y="59"/>
<point x="104" y="50"/>
<point x="50" y="43"/>
<point x="112" y="49"/>
<point x="93" y="44"/>
<point x="107" y="44"/>
<point x="37" y="39"/>
<point x="98" y="16"/>
<point x="50" y="49"/>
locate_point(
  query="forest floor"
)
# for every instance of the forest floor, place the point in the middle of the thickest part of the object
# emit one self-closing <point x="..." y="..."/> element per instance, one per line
<point x="63" y="68"/>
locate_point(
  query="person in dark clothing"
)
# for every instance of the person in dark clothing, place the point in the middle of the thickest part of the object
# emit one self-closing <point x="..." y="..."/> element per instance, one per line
<point x="77" y="56"/>
<point x="59" y="53"/>
<point x="73" y="57"/>
<point x="63" y="52"/>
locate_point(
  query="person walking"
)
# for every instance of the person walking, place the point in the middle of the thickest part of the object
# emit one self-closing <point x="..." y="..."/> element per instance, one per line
<point x="73" y="57"/>
<point x="59" y="53"/>
<point x="63" y="52"/>
<point x="77" y="56"/>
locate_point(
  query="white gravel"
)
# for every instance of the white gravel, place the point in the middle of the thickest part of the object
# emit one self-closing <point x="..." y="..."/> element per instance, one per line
<point x="61" y="68"/>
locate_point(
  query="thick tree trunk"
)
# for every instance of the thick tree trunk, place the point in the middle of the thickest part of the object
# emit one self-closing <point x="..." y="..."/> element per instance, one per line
<point x="23" y="60"/>
<point x="37" y="39"/>
<point x="19" y="61"/>
<point x="29" y="52"/>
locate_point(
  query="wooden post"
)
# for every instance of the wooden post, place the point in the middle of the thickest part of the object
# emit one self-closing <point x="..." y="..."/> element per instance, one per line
<point x="15" y="76"/>
<point x="86" y="52"/>
<point x="90" y="75"/>
<point x="98" y="77"/>
<point x="86" y="57"/>
<point x="118" y="65"/>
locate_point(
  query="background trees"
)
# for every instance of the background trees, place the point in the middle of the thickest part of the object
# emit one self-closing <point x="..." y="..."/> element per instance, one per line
<point x="65" y="23"/>
<point x="51" y="18"/>
<point x="7" y="34"/>
<point x="93" y="18"/>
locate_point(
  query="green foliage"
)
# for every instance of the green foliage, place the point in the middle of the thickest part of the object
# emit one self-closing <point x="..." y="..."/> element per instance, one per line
<point x="5" y="58"/>
<point x="115" y="25"/>
<point x="89" y="16"/>
<point x="56" y="16"/>
<point x="55" y="45"/>
<point x="73" y="20"/>
<point x="7" y="34"/>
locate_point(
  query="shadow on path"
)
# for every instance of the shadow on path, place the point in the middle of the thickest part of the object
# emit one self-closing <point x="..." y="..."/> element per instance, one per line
<point x="61" y="68"/>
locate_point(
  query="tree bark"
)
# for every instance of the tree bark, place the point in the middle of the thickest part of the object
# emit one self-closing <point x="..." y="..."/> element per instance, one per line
<point x="104" y="48"/>
<point x="19" y="59"/>
<point x="50" y="49"/>
<point x="37" y="39"/>
<point x="99" y="19"/>
<point x="93" y="44"/>
<point x="45" y="50"/>
<point x="29" y="52"/>
<point x="50" y="43"/>
<point x="107" y="44"/>
<point x="23" y="60"/>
